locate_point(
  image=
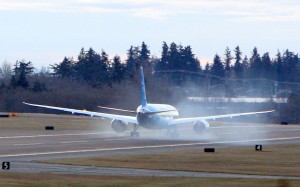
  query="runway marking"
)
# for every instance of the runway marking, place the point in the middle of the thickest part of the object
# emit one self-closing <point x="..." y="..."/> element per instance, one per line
<point x="66" y="142"/>
<point x="252" y="126"/>
<point x="147" y="147"/>
<point x="99" y="133"/>
<point x="117" y="139"/>
<point x="258" y="131"/>
<point x="54" y="135"/>
<point x="28" y="144"/>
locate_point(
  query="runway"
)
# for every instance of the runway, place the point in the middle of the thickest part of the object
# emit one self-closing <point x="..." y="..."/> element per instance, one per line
<point x="24" y="151"/>
<point x="28" y="167"/>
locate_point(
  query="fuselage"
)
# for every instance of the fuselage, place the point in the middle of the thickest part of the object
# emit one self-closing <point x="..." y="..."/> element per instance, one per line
<point x="156" y="116"/>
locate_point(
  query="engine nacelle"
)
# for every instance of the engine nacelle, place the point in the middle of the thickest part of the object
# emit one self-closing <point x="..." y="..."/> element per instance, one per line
<point x="119" y="126"/>
<point x="201" y="127"/>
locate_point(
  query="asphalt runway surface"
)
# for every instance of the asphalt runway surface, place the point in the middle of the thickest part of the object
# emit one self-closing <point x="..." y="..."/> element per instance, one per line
<point x="25" y="151"/>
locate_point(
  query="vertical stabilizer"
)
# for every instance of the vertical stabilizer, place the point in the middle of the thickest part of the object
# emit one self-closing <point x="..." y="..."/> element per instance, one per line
<point x="143" y="89"/>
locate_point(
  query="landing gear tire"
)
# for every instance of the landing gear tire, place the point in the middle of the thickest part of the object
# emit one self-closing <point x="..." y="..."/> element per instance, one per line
<point x="134" y="133"/>
<point x="172" y="133"/>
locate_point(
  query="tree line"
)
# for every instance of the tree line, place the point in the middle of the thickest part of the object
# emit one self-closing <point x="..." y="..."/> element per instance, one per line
<point x="230" y="74"/>
<point x="179" y="64"/>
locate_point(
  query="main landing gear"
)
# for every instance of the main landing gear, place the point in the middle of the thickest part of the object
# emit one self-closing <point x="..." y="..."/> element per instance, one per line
<point x="172" y="132"/>
<point x="135" y="133"/>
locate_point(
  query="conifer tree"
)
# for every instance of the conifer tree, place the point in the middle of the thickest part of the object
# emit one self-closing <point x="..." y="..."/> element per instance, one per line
<point x="21" y="71"/>
<point x="255" y="62"/>
<point x="65" y="69"/>
<point x="228" y="59"/>
<point x="118" y="72"/>
<point x="131" y="62"/>
<point x="144" y="55"/>
<point x="238" y="67"/>
<point x="245" y="65"/>
<point x="217" y="69"/>
<point x="266" y="66"/>
<point x="163" y="62"/>
<point x="278" y="67"/>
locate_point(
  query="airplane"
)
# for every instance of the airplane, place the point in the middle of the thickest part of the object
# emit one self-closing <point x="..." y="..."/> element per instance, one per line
<point x="151" y="116"/>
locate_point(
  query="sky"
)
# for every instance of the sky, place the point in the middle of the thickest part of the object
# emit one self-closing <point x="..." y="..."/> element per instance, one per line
<point x="45" y="31"/>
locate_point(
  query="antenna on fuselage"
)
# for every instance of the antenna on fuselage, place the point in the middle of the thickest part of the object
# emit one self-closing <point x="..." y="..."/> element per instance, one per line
<point x="143" y="89"/>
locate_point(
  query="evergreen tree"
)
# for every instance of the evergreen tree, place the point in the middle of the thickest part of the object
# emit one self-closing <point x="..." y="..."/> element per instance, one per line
<point x="173" y="57"/>
<point x="21" y="71"/>
<point x="144" y="55"/>
<point x="118" y="72"/>
<point x="245" y="65"/>
<point x="255" y="62"/>
<point x="206" y="72"/>
<point x="137" y="57"/>
<point x="22" y="81"/>
<point x="266" y="66"/>
<point x="290" y="65"/>
<point x="13" y="82"/>
<point x="207" y="69"/>
<point x="238" y="67"/>
<point x="189" y="62"/>
<point x="101" y="69"/>
<point x="80" y="66"/>
<point x="39" y="87"/>
<point x="92" y="67"/>
<point x="162" y="64"/>
<point x="65" y="69"/>
<point x="132" y="62"/>
<point x="278" y="67"/>
<point x="228" y="59"/>
<point x="217" y="69"/>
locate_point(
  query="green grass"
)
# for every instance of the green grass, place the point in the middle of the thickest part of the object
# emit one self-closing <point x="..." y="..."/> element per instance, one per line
<point x="54" y="180"/>
<point x="37" y="122"/>
<point x="274" y="160"/>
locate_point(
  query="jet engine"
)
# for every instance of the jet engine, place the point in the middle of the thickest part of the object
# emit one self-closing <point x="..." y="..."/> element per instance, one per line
<point x="119" y="126"/>
<point x="201" y="127"/>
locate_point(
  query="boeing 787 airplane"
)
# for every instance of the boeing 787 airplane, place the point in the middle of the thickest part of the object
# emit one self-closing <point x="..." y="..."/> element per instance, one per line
<point x="151" y="116"/>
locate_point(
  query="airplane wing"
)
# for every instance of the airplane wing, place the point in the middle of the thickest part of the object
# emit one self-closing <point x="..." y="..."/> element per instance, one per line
<point x="193" y="119"/>
<point x="128" y="119"/>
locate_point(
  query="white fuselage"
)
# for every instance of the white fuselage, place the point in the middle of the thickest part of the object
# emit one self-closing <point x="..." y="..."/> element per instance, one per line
<point x="148" y="118"/>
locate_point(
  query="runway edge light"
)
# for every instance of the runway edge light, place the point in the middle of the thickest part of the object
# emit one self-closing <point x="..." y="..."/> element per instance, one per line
<point x="49" y="127"/>
<point x="209" y="150"/>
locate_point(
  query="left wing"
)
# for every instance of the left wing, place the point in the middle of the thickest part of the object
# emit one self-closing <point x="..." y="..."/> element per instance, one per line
<point x="193" y="119"/>
<point x="127" y="119"/>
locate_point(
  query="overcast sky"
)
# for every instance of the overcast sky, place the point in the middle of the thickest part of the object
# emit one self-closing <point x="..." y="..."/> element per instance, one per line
<point x="44" y="31"/>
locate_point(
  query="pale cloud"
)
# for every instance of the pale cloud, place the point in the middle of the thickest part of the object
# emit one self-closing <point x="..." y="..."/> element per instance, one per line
<point x="255" y="10"/>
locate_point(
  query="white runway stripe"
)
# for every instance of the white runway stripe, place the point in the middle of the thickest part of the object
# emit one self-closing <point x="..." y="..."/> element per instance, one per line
<point x="148" y="147"/>
<point x="117" y="139"/>
<point x="54" y="135"/>
<point x="28" y="144"/>
<point x="66" y="142"/>
<point x="292" y="130"/>
<point x="246" y="126"/>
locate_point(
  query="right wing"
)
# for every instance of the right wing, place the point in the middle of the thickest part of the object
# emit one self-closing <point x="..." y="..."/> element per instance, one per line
<point x="127" y="119"/>
<point x="193" y="119"/>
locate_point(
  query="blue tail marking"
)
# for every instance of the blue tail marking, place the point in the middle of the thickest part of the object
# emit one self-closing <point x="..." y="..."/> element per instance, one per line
<point x="143" y="89"/>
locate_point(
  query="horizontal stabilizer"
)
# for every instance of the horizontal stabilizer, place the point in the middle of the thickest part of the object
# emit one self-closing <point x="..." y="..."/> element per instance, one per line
<point x="158" y="112"/>
<point x="117" y="109"/>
